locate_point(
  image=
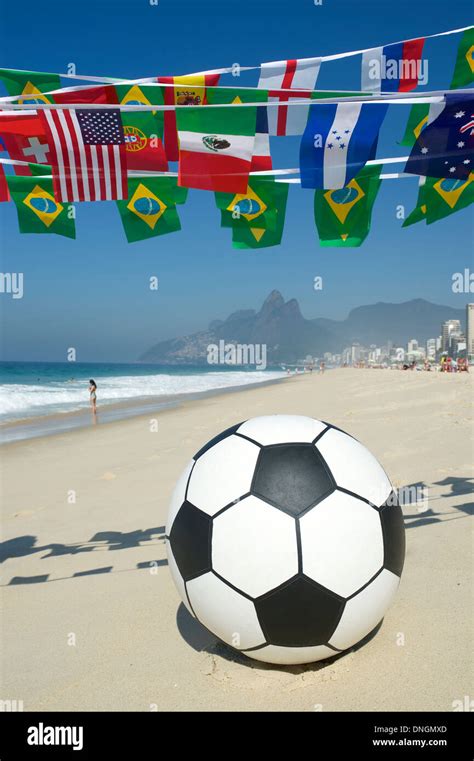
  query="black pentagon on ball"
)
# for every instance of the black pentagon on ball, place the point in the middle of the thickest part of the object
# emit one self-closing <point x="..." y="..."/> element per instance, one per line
<point x="190" y="540"/>
<point x="292" y="477"/>
<point x="393" y="530"/>
<point x="299" y="613"/>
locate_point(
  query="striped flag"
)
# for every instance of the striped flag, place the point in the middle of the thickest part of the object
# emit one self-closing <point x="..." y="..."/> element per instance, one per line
<point x="393" y="68"/>
<point x="261" y="159"/>
<point x="346" y="138"/>
<point x="87" y="149"/>
<point x="277" y="77"/>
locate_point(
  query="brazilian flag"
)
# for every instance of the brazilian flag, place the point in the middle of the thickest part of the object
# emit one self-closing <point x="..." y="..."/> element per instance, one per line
<point x="464" y="68"/>
<point x="343" y="216"/>
<point x="438" y="198"/>
<point x="147" y="122"/>
<point x="417" y="120"/>
<point x="150" y="208"/>
<point x="256" y="217"/>
<point x="30" y="85"/>
<point x="38" y="211"/>
<point x="216" y="95"/>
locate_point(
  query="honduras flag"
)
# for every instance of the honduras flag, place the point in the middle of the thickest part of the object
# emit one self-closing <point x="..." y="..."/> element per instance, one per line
<point x="338" y="141"/>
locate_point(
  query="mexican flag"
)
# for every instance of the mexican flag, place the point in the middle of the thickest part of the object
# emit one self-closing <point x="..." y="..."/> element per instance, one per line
<point x="216" y="147"/>
<point x="261" y="159"/>
<point x="31" y="85"/>
<point x="464" y="67"/>
<point x="150" y="208"/>
<point x="37" y="209"/>
<point x="256" y="217"/>
<point x="343" y="216"/>
<point x="438" y="198"/>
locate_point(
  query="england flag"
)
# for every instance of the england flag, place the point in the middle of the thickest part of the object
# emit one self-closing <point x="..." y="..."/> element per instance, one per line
<point x="278" y="77"/>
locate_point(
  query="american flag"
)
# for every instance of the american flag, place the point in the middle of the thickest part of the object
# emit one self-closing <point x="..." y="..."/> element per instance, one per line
<point x="87" y="154"/>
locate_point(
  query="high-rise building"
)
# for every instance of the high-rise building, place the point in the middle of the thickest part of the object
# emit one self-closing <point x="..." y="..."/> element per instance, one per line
<point x="431" y="348"/>
<point x="470" y="330"/>
<point x="449" y="330"/>
<point x="412" y="345"/>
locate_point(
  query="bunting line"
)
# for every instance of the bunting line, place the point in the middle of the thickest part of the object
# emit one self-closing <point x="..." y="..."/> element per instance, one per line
<point x="435" y="96"/>
<point x="230" y="69"/>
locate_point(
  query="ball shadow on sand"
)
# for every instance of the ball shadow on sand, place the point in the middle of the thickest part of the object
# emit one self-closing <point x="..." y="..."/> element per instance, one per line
<point x="202" y="640"/>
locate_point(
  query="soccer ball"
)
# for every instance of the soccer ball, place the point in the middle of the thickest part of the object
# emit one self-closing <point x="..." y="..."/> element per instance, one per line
<point x="285" y="539"/>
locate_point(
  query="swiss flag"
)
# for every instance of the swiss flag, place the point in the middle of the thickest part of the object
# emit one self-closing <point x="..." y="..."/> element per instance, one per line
<point x="25" y="139"/>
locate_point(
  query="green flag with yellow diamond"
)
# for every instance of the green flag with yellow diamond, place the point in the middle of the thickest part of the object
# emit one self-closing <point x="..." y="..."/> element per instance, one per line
<point x="417" y="120"/>
<point x="150" y="208"/>
<point x="464" y="68"/>
<point x="439" y="198"/>
<point x="38" y="211"/>
<point x="343" y="216"/>
<point x="31" y="85"/>
<point x="148" y="122"/>
<point x="256" y="217"/>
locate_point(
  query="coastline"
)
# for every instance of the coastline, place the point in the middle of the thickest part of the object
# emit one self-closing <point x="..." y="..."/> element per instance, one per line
<point x="84" y="552"/>
<point x="110" y="412"/>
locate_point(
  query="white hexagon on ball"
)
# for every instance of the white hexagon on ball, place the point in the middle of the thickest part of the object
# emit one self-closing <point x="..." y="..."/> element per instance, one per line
<point x="353" y="467"/>
<point x="254" y="546"/>
<point x="342" y="543"/>
<point x="282" y="429"/>
<point x="229" y="466"/>
<point x="365" y="610"/>
<point x="226" y="613"/>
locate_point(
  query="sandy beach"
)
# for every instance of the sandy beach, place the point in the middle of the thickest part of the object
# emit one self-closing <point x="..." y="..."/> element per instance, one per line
<point x="89" y="624"/>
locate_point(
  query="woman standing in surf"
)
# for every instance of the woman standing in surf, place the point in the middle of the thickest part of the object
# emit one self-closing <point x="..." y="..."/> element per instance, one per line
<point x="93" y="397"/>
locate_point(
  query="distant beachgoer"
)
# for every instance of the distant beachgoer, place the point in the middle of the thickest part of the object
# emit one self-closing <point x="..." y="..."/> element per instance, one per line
<point x="93" y="396"/>
<point x="321" y="367"/>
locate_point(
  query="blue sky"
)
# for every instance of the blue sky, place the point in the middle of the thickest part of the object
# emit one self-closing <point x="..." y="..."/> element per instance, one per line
<point x="93" y="293"/>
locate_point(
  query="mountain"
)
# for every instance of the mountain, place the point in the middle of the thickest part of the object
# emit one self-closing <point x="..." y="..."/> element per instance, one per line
<point x="289" y="336"/>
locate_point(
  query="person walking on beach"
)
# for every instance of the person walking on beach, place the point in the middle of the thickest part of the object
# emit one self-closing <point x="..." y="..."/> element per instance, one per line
<point x="92" y="393"/>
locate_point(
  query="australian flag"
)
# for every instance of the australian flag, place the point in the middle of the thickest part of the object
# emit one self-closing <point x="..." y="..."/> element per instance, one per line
<point x="338" y="141"/>
<point x="445" y="148"/>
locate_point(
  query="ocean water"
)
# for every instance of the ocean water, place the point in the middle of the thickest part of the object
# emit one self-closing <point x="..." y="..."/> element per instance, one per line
<point x="34" y="390"/>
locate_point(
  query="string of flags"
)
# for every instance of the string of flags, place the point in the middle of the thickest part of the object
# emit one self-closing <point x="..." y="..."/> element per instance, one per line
<point x="114" y="140"/>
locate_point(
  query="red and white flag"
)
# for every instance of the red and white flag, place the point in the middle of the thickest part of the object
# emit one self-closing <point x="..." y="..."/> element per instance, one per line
<point x="261" y="159"/>
<point x="299" y="75"/>
<point x="24" y="138"/>
<point x="87" y="149"/>
<point x="4" y="192"/>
